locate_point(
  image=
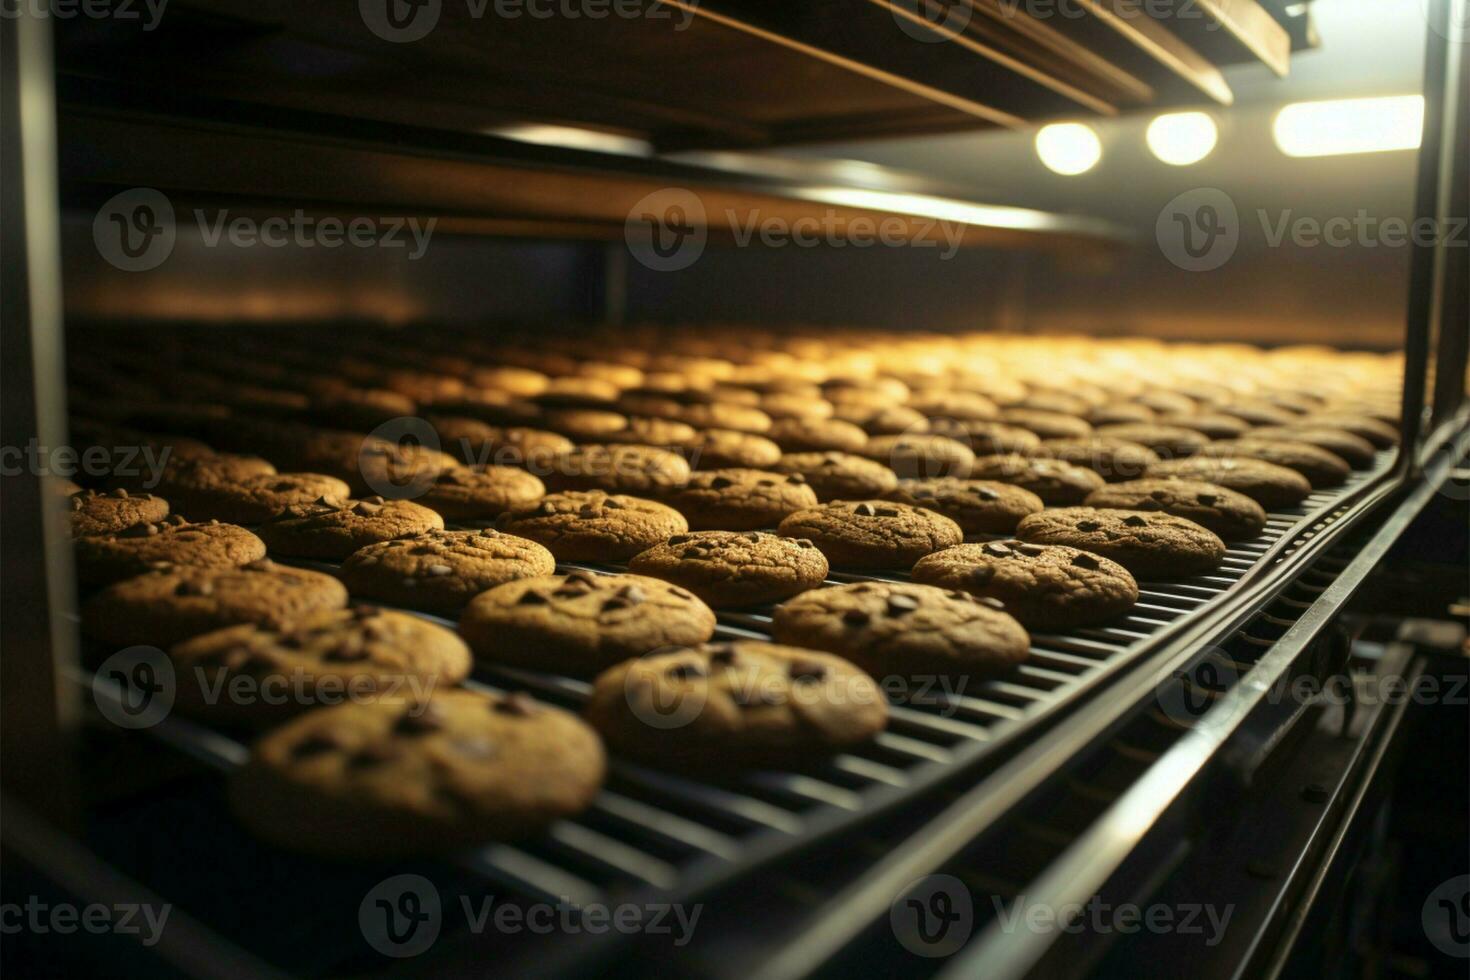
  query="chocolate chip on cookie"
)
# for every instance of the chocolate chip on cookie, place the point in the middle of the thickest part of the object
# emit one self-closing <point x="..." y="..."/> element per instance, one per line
<point x="330" y="530"/>
<point x="591" y="525"/>
<point x="873" y="533"/>
<point x="1046" y="587"/>
<point x="839" y="476"/>
<point x="1152" y="546"/>
<point x="473" y="495"/>
<point x="1229" y="514"/>
<point x="381" y="780"/>
<point x="735" y="568"/>
<point x="442" y="570"/>
<point x="904" y="629"/>
<point x="582" y="622"/>
<point x="1055" y="482"/>
<point x="1267" y="484"/>
<point x="113" y="511"/>
<point x="977" y="506"/>
<point x="740" y="499"/>
<point x="735" y="704"/>
<point x="104" y="558"/>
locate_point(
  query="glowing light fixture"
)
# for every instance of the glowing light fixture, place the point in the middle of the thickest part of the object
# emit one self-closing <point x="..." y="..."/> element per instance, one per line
<point x="1182" y="138"/>
<point x="1068" y="148"/>
<point x="574" y="138"/>
<point x="1342" y="126"/>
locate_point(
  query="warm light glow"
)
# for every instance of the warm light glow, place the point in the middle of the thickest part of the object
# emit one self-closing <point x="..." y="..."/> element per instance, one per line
<point x="1325" y="129"/>
<point x="1182" y="138"/>
<point x="1068" y="148"/>
<point x="574" y="138"/>
<point x="926" y="205"/>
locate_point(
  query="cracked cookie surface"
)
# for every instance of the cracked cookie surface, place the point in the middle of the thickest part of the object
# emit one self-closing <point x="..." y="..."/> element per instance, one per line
<point x="591" y="525"/>
<point x="1230" y="514"/>
<point x="330" y="530"/>
<point x="380" y="779"/>
<point x="472" y="495"/>
<point x="114" y="511"/>
<point x="1151" y="546"/>
<point x="582" y="622"/>
<point x="741" y="704"/>
<point x="977" y="506"/>
<point x="904" y="629"/>
<point x="735" y="568"/>
<point x="104" y="558"/>
<point x="873" y="533"/>
<point x="442" y="570"/>
<point x="174" y="602"/>
<point x="1046" y="587"/>
<point x="317" y="660"/>
<point x="740" y="499"/>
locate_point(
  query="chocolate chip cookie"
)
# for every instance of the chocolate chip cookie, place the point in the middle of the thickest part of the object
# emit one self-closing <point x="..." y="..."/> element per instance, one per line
<point x="986" y="438"/>
<point x="1153" y="546"/>
<point x="582" y="622"/>
<point x="920" y="455"/>
<point x="1047" y="425"/>
<point x="873" y="533"/>
<point x="714" y="449"/>
<point x="440" y="571"/>
<point x="1356" y="451"/>
<point x="104" y="558"/>
<point x="735" y="704"/>
<point x="839" y="476"/>
<point x="381" y="779"/>
<point x="1321" y="468"/>
<point x="330" y="530"/>
<point x="258" y="498"/>
<point x="1058" y="484"/>
<point x="1112" y="459"/>
<point x="810" y="435"/>
<point x="1169" y="441"/>
<point x="255" y="675"/>
<point x="977" y="506"/>
<point x="174" y="602"/>
<point x="1046" y="587"/>
<point x="1231" y="515"/>
<point x="113" y="511"/>
<point x="1269" y="485"/>
<point x="740" y="499"/>
<point x="591" y="525"/>
<point x="616" y="469"/>
<point x="475" y="495"/>
<point x="904" y="629"/>
<point x="735" y="568"/>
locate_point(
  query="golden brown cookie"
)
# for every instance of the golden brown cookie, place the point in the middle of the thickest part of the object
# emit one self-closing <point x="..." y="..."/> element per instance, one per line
<point x="1169" y="441"/>
<point x="330" y="530"/>
<point x="1112" y="459"/>
<point x="380" y="779"/>
<point x="616" y="469"/>
<point x="872" y="533"/>
<point x="582" y="622"/>
<point x="740" y="499"/>
<point x="1057" y="483"/>
<point x="479" y="495"/>
<point x="1046" y="587"/>
<point x="977" y="506"/>
<point x="714" y="449"/>
<point x="735" y="568"/>
<point x="174" y="602"/>
<point x="258" y="498"/>
<point x="1229" y="514"/>
<point x="839" y="476"/>
<point x="735" y="704"/>
<point x="256" y="675"/>
<point x="591" y="525"/>
<point x="920" y="455"/>
<point x="113" y="511"/>
<point x="104" y="558"/>
<point x="807" y="435"/>
<point x="904" y="629"/>
<point x="1153" y="546"/>
<point x="1269" y="485"/>
<point x="440" y="571"/>
<point x="1321" y="468"/>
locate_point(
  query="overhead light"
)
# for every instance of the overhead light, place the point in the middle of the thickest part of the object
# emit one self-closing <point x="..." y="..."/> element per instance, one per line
<point x="1182" y="138"/>
<point x="573" y="138"/>
<point x="927" y="205"/>
<point x="1341" y="126"/>
<point x="1068" y="148"/>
